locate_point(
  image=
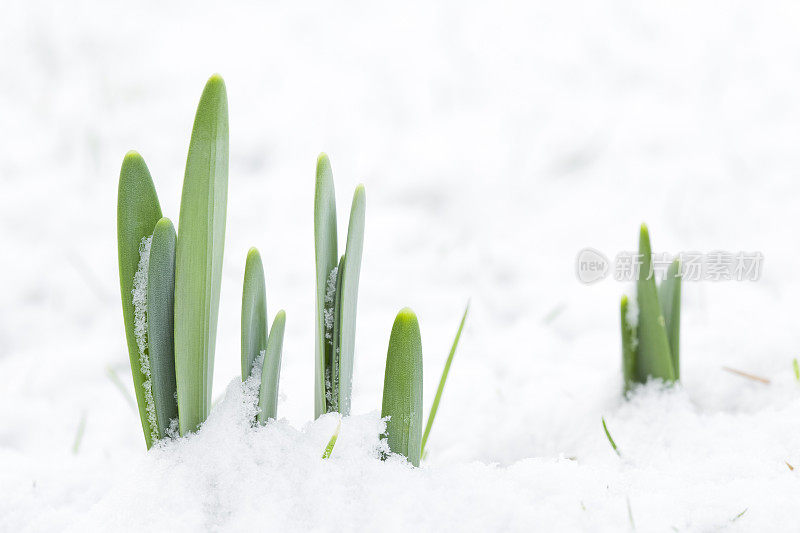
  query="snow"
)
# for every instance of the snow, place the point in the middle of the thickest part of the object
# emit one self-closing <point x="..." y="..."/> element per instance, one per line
<point x="328" y="311"/>
<point x="496" y="141"/>
<point x="140" y="329"/>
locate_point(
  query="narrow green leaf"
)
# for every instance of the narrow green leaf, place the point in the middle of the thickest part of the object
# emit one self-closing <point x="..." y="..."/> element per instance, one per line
<point x="271" y="371"/>
<point x="628" y="345"/>
<point x="332" y="364"/>
<point x="138" y="211"/>
<point x="653" y="356"/>
<point x="608" y="436"/>
<point x="349" y="298"/>
<point x="254" y="312"/>
<point x="160" y="329"/>
<point x="442" y="381"/>
<point x="76" y="443"/>
<point x="669" y="296"/>
<point x="402" y="387"/>
<point x="332" y="442"/>
<point x="326" y="252"/>
<point x="796" y="368"/>
<point x="198" y="271"/>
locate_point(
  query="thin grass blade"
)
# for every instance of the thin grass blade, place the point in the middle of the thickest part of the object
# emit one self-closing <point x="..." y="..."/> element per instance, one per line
<point x="669" y="296"/>
<point x="199" y="255"/>
<point x="332" y="442"/>
<point x="442" y="381"/>
<point x="271" y="371"/>
<point x="402" y="387"/>
<point x="138" y="211"/>
<point x="326" y="252"/>
<point x="160" y="328"/>
<point x="254" y="312"/>
<point x="349" y="297"/>
<point x="608" y="436"/>
<point x="628" y="345"/>
<point x="653" y="356"/>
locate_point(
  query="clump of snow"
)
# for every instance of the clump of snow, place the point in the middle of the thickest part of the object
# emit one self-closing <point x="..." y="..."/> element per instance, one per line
<point x="139" y="293"/>
<point x="330" y="297"/>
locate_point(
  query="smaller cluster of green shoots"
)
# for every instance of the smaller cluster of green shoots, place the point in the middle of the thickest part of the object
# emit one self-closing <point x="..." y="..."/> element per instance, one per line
<point x="337" y="298"/>
<point x="651" y="327"/>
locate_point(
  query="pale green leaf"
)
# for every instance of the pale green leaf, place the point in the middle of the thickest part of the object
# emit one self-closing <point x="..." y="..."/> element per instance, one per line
<point x="271" y="371"/>
<point x="326" y="252"/>
<point x="201" y="231"/>
<point x="349" y="298"/>
<point x="628" y="345"/>
<point x="653" y="356"/>
<point x="669" y="295"/>
<point x="254" y="312"/>
<point x="402" y="387"/>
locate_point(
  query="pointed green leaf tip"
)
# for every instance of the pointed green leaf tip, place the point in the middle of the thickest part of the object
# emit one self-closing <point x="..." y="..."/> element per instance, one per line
<point x="254" y="312"/>
<point x="160" y="315"/>
<point x="201" y="230"/>
<point x="270" y="372"/>
<point x="653" y="356"/>
<point x="138" y="211"/>
<point x="402" y="387"/>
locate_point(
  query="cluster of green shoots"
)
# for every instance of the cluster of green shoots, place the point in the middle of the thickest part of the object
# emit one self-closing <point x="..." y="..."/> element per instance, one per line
<point x="170" y="284"/>
<point x="651" y="328"/>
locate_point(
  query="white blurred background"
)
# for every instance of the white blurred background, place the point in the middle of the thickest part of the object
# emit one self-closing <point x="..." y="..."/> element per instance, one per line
<point x="495" y="141"/>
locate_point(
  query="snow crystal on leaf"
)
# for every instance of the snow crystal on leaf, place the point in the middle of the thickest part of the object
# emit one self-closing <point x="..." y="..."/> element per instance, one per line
<point x="139" y="293"/>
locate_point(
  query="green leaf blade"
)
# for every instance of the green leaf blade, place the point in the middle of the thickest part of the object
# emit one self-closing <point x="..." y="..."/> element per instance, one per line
<point x="160" y="327"/>
<point x="254" y="312"/>
<point x="442" y="381"/>
<point x="349" y="297"/>
<point x="326" y="256"/>
<point x="271" y="370"/>
<point x="628" y="345"/>
<point x="402" y="387"/>
<point x="199" y="255"/>
<point x="138" y="211"/>
<point x="669" y="295"/>
<point x="653" y="356"/>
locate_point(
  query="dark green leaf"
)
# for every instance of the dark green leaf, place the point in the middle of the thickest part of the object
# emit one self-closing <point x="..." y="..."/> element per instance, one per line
<point x="138" y="211"/>
<point x="160" y="316"/>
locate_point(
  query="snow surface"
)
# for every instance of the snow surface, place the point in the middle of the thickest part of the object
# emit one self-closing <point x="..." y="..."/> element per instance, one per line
<point x="496" y="140"/>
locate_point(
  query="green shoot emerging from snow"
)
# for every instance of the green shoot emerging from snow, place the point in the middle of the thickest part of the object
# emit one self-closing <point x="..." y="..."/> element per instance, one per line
<point x="170" y="287"/>
<point x="402" y="388"/>
<point x="608" y="436"/>
<point x="337" y="294"/>
<point x="651" y="327"/>
<point x="331" y="443"/>
<point x="442" y="381"/>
